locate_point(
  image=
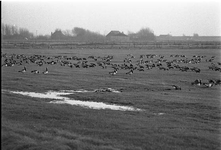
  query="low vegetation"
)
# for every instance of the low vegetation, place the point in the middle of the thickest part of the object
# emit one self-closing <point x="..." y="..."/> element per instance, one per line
<point x="188" y="118"/>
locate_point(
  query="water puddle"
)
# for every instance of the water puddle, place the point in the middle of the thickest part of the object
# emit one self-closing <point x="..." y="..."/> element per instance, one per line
<point x="159" y="114"/>
<point x="59" y="99"/>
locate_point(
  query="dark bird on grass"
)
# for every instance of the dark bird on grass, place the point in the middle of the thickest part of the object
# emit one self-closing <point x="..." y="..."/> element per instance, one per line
<point x="35" y="71"/>
<point x="5" y="65"/>
<point x="208" y="85"/>
<point x="197" y="70"/>
<point x="46" y="71"/>
<point x="11" y="64"/>
<point x="130" y="72"/>
<point x="23" y="70"/>
<point x="140" y="69"/>
<point x="217" y="82"/>
<point x="77" y="65"/>
<point x="197" y="82"/>
<point x="212" y="81"/>
<point x="176" y="87"/>
<point x="113" y="72"/>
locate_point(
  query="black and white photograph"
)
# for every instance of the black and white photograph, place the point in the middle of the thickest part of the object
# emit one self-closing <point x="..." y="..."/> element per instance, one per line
<point x="111" y="75"/>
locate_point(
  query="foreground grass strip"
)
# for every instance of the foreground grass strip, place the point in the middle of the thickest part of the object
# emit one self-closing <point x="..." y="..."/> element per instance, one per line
<point x="65" y="100"/>
<point x="19" y="136"/>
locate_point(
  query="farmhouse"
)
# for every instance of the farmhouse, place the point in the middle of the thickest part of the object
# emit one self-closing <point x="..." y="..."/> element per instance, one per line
<point x="117" y="36"/>
<point x="57" y="35"/>
<point x="163" y="37"/>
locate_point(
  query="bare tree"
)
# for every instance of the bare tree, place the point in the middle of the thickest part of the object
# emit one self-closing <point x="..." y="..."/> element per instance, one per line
<point x="86" y="35"/>
<point x="24" y="33"/>
<point x="144" y="34"/>
<point x="10" y="32"/>
<point x="68" y="33"/>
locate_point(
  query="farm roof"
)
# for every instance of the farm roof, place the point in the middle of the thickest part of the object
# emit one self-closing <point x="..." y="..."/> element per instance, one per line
<point x="116" y="33"/>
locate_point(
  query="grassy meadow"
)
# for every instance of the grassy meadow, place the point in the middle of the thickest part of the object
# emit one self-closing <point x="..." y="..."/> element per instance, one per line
<point x="186" y="119"/>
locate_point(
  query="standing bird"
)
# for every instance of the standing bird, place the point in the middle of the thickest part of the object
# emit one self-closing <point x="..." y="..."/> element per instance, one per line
<point x="46" y="71"/>
<point x="23" y="70"/>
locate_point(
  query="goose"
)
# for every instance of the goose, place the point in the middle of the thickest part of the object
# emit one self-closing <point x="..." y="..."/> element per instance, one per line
<point x="197" y="82"/>
<point x="176" y="87"/>
<point x="208" y="85"/>
<point x="217" y="82"/>
<point x="140" y="69"/>
<point x="113" y="72"/>
<point x="5" y="65"/>
<point x="23" y="70"/>
<point x="46" y="71"/>
<point x="212" y="81"/>
<point x="130" y="72"/>
<point x="197" y="70"/>
<point x="35" y="71"/>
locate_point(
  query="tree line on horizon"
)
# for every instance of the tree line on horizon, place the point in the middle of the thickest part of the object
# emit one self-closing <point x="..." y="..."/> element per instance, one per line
<point x="76" y="34"/>
<point x="13" y="32"/>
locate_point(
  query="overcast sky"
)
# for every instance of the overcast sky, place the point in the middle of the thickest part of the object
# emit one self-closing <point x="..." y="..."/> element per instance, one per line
<point x="163" y="17"/>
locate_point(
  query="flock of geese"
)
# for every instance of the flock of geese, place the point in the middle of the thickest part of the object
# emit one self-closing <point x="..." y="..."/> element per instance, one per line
<point x="210" y="83"/>
<point x="34" y="71"/>
<point x="129" y="63"/>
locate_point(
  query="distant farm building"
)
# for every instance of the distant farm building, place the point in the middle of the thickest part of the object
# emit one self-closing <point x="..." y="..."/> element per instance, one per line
<point x="117" y="36"/>
<point x="163" y="37"/>
<point x="57" y="35"/>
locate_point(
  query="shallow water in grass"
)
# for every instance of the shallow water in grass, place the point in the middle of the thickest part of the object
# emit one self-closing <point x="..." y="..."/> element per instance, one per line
<point x="65" y="100"/>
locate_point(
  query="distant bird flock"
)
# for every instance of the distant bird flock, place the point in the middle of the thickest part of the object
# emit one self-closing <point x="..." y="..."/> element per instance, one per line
<point x="129" y="63"/>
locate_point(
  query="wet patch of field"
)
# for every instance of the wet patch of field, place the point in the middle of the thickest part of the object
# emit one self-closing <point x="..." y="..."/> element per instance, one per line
<point x="61" y="99"/>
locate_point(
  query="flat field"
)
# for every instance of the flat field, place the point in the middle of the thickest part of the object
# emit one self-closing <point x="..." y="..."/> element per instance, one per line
<point x="171" y="118"/>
